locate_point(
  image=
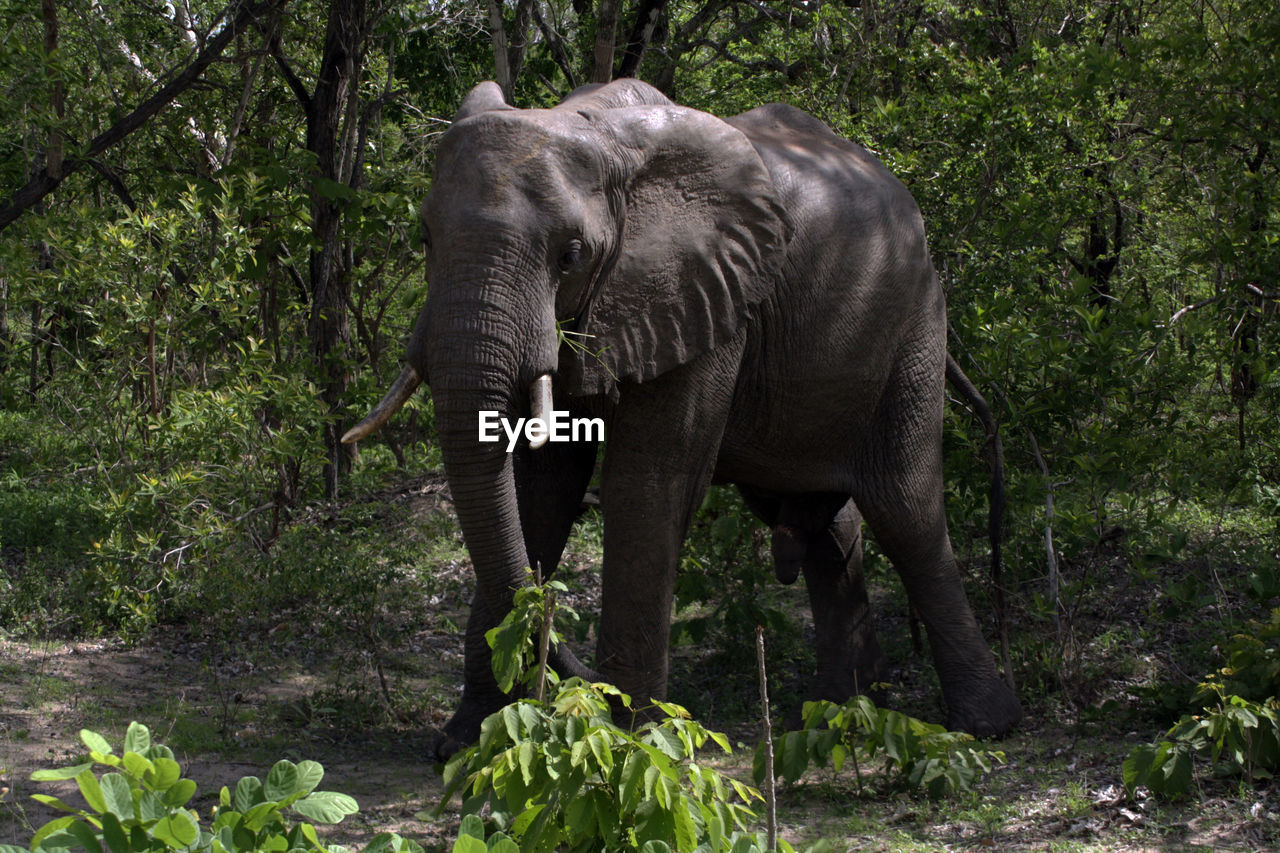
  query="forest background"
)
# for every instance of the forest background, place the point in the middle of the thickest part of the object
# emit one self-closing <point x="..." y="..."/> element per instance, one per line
<point x="208" y="265"/>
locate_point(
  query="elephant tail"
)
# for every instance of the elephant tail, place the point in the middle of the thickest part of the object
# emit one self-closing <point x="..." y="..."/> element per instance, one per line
<point x="995" y="519"/>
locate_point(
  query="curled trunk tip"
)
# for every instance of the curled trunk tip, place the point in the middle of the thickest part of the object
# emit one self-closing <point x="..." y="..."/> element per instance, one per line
<point x="400" y="392"/>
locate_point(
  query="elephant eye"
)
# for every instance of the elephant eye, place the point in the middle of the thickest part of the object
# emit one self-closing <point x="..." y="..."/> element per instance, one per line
<point x="571" y="256"/>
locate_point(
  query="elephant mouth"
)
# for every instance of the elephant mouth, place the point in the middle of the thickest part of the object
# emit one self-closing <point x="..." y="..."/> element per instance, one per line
<point x="540" y="406"/>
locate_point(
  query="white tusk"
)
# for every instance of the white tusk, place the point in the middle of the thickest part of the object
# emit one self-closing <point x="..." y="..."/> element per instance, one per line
<point x="540" y="407"/>
<point x="401" y="390"/>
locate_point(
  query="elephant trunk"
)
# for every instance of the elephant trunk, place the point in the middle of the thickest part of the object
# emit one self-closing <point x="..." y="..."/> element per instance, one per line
<point x="474" y="371"/>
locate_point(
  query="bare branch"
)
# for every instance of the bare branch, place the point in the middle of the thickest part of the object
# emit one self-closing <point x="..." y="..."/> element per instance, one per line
<point x="1203" y="303"/>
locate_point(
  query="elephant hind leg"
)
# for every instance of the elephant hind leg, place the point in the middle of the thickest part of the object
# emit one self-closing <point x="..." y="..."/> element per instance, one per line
<point x="850" y="660"/>
<point x="913" y="534"/>
<point x="820" y="533"/>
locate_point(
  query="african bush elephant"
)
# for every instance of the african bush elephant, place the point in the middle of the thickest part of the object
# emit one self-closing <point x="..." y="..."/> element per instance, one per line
<point x="746" y="300"/>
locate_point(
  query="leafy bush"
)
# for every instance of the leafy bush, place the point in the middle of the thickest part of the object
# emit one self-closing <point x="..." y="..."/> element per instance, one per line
<point x="565" y="774"/>
<point x="917" y="754"/>
<point x="1238" y="729"/>
<point x="142" y="805"/>
<point x="562" y="774"/>
<point x="724" y="571"/>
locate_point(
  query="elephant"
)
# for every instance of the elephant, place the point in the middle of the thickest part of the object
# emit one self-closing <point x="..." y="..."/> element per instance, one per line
<point x="747" y="300"/>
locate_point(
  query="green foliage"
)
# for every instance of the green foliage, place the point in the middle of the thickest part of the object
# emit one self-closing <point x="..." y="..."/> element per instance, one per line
<point x="1252" y="668"/>
<point x="565" y="774"/>
<point x="916" y="754"/>
<point x="1236" y="736"/>
<point x="725" y="587"/>
<point x="1236" y="732"/>
<point x="515" y="642"/>
<point x="141" y="804"/>
<point x="562" y="773"/>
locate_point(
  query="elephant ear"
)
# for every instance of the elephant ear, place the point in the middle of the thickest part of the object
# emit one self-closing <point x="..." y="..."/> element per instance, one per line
<point x="482" y="98"/>
<point x="701" y="238"/>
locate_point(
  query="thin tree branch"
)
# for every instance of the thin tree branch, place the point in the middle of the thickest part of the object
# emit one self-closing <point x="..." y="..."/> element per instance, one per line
<point x="1203" y="303"/>
<point x="556" y="44"/>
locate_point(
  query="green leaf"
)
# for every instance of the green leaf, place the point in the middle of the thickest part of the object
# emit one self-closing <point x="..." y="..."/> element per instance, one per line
<point x="95" y="742"/>
<point x="260" y="815"/>
<point x="164" y="773"/>
<point x="61" y="774"/>
<point x="54" y="802"/>
<point x="248" y="793"/>
<point x="179" y="794"/>
<point x="114" y="835"/>
<point x="91" y="791"/>
<point x="309" y="775"/>
<point x="686" y="832"/>
<point x="326" y="806"/>
<point x="136" y="739"/>
<point x="176" y="830"/>
<point x="500" y="843"/>
<point x="470" y="836"/>
<point x="1137" y="767"/>
<point x="118" y="797"/>
<point x="793" y="756"/>
<point x="469" y="844"/>
<point x="149" y="806"/>
<point x="136" y="765"/>
<point x="85" y="836"/>
<point x="53" y="826"/>
<point x="281" y="781"/>
<point x="1177" y="774"/>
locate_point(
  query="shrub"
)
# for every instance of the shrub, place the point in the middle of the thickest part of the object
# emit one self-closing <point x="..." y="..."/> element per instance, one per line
<point x="918" y="754"/>
<point x="564" y="773"/>
<point x="1237" y="730"/>
<point x="141" y="804"/>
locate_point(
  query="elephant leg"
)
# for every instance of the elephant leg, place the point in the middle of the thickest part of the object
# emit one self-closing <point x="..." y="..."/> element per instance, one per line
<point x="550" y="482"/>
<point x="658" y="463"/>
<point x="850" y="660"/>
<point x="910" y="526"/>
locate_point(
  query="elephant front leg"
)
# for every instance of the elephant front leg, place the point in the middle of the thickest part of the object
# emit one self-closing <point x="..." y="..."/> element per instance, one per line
<point x="658" y="463"/>
<point x="850" y="660"/>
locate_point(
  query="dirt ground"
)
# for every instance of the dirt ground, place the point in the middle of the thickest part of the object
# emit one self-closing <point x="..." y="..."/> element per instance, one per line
<point x="49" y="692"/>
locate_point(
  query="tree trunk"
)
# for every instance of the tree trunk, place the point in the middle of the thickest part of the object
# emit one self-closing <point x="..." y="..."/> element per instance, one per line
<point x="330" y="278"/>
<point x="606" y="35"/>
<point x="641" y="34"/>
<point x="498" y="36"/>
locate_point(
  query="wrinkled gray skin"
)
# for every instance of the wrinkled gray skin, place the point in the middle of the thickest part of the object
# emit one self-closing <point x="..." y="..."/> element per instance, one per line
<point x="762" y="311"/>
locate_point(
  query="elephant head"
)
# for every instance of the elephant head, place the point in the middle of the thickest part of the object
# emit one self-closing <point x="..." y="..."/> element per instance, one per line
<point x="643" y="230"/>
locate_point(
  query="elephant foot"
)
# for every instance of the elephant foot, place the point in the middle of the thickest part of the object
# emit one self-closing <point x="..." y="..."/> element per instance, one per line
<point x="462" y="730"/>
<point x="990" y="710"/>
<point x="446" y="747"/>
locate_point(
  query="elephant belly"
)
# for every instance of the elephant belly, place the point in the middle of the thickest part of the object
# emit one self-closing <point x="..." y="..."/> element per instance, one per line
<point x="801" y="443"/>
